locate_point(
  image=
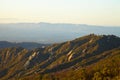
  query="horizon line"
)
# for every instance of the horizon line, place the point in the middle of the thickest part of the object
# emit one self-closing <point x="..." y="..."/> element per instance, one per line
<point x="61" y="23"/>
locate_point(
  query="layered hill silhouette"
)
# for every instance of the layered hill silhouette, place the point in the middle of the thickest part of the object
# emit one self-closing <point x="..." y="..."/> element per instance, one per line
<point x="27" y="45"/>
<point x="91" y="57"/>
<point x="51" y="32"/>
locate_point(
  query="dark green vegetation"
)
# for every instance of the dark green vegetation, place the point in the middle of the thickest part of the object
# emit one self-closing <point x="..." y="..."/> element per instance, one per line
<point x="27" y="45"/>
<point x="90" y="57"/>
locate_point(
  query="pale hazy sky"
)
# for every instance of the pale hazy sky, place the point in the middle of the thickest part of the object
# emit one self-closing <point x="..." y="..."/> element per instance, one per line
<point x="95" y="12"/>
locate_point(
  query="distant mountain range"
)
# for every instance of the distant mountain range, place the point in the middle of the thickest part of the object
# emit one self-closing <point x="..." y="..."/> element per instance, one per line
<point x="91" y="57"/>
<point x="27" y="45"/>
<point x="51" y="33"/>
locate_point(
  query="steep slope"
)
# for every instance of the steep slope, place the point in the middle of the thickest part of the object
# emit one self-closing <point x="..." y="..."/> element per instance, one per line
<point x="107" y="68"/>
<point x="83" y="52"/>
<point x="16" y="60"/>
<point x="71" y="53"/>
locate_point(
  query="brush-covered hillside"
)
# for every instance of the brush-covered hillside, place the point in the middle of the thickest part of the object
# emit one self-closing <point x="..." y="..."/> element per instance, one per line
<point x="91" y="57"/>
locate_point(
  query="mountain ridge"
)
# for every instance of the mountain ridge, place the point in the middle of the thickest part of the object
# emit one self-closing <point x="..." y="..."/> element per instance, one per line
<point x="27" y="45"/>
<point x="46" y="62"/>
<point x="51" y="33"/>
